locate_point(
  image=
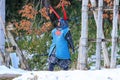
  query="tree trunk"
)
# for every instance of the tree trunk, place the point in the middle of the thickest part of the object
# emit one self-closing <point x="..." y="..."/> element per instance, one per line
<point x="114" y="34"/>
<point x="104" y="48"/>
<point x="23" y="62"/>
<point x="2" y="29"/>
<point x="99" y="34"/>
<point x="83" y="43"/>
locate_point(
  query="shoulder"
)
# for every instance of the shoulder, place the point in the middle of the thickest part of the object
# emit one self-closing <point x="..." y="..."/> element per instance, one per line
<point x="66" y="29"/>
<point x="54" y="30"/>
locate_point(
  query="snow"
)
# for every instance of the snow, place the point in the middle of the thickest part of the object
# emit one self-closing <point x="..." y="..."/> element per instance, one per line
<point x="11" y="70"/>
<point x="103" y="74"/>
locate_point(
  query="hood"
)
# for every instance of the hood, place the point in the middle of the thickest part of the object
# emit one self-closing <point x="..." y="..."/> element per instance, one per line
<point x="63" y="23"/>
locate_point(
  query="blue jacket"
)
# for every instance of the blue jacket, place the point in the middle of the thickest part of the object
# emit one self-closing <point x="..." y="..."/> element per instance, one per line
<point x="60" y="44"/>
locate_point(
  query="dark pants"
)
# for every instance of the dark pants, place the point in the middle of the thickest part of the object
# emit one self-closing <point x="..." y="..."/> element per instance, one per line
<point x="51" y="67"/>
<point x="62" y="63"/>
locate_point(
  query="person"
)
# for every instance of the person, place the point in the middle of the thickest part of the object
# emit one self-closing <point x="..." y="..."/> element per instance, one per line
<point x="59" y="53"/>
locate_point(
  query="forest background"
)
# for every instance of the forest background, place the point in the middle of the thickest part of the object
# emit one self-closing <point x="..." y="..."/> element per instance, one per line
<point x="34" y="37"/>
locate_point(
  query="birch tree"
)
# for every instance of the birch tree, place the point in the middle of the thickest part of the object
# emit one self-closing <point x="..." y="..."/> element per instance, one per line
<point x="114" y="34"/>
<point x="99" y="34"/>
<point x="2" y="29"/>
<point x="104" y="48"/>
<point x="82" y="56"/>
<point x="3" y="54"/>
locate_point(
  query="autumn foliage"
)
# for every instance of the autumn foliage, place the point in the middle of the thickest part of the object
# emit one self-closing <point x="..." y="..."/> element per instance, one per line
<point x="43" y="12"/>
<point x="28" y="14"/>
<point x="65" y="2"/>
<point x="107" y="9"/>
<point x="28" y="11"/>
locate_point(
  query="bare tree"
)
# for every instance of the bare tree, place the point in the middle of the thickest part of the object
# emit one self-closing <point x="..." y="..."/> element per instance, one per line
<point x="104" y="48"/>
<point x="3" y="54"/>
<point x="99" y="34"/>
<point x="114" y="34"/>
<point x="2" y="29"/>
<point x="23" y="61"/>
<point x="82" y="56"/>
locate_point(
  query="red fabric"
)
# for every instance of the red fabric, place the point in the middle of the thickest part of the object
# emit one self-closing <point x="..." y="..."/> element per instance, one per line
<point x="55" y="12"/>
<point x="58" y="32"/>
<point x="64" y="13"/>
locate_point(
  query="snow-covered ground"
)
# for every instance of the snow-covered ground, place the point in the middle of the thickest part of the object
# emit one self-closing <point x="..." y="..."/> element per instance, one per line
<point x="104" y="74"/>
<point x="6" y="70"/>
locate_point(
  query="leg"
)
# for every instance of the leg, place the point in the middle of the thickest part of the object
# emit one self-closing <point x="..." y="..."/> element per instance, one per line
<point x="52" y="60"/>
<point x="51" y="66"/>
<point x="66" y="68"/>
<point x="64" y="64"/>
